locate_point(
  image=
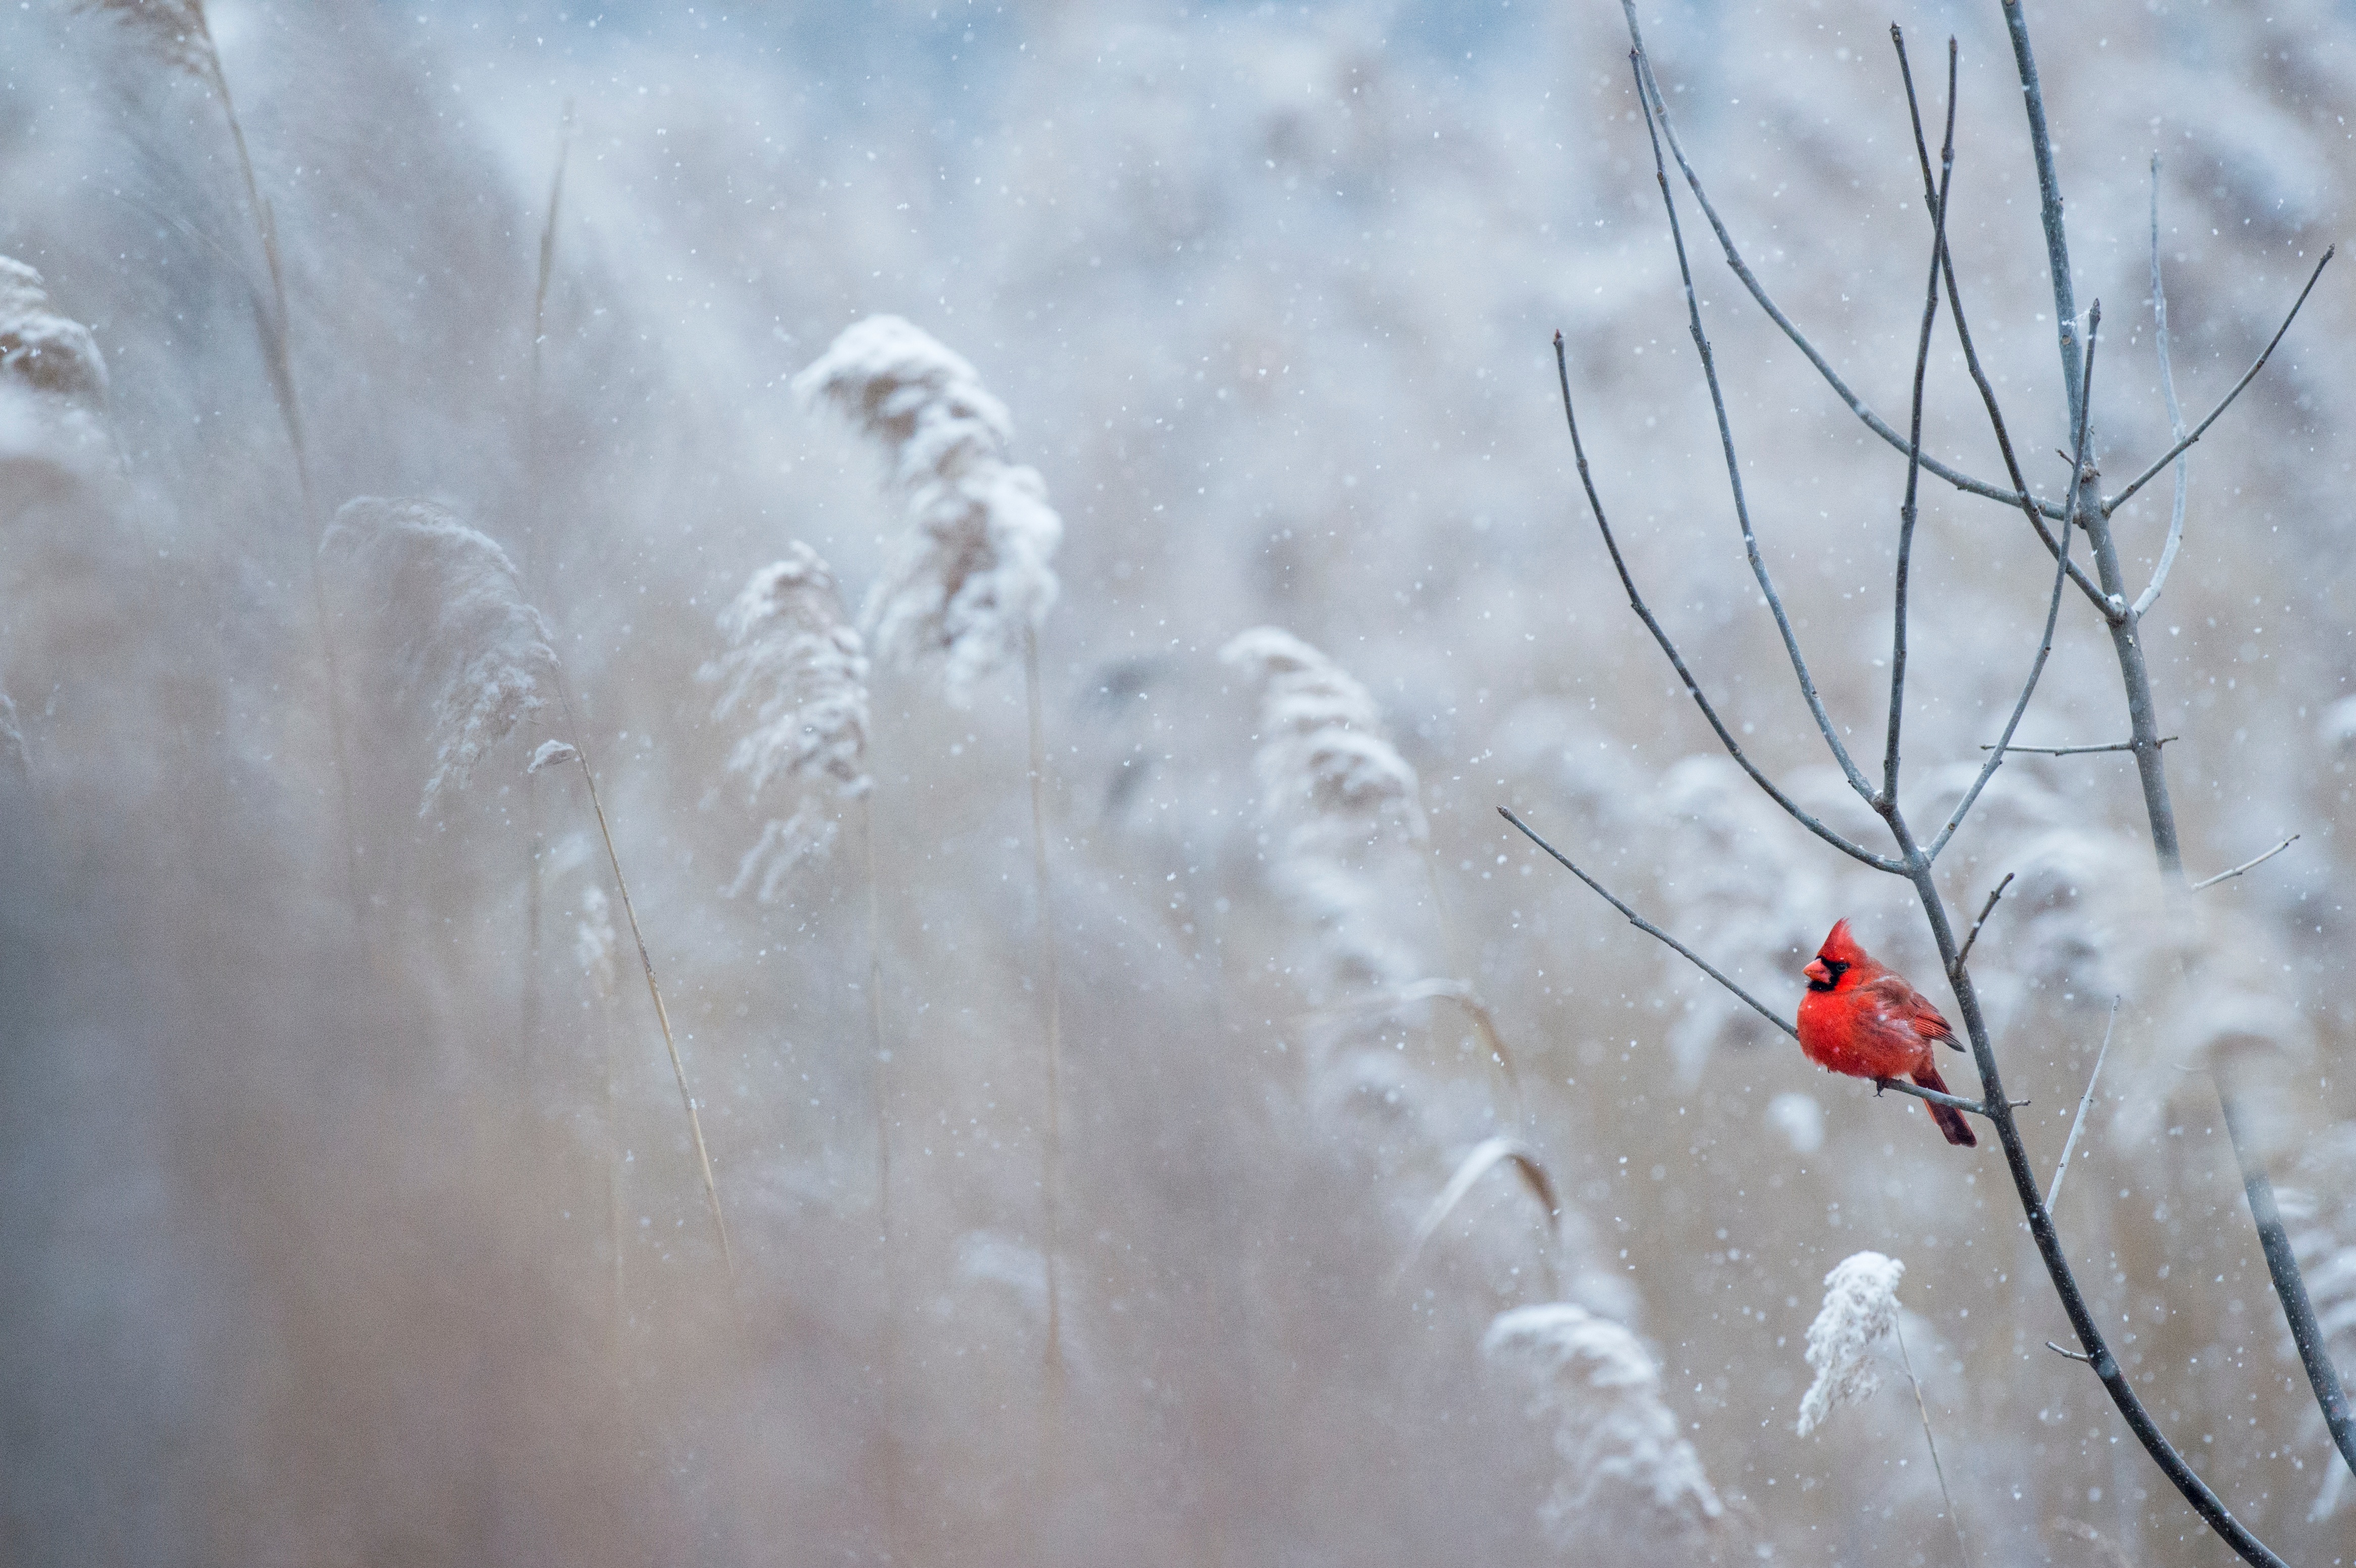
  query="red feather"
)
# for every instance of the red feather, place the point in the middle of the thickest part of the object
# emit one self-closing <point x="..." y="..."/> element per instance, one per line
<point x="1861" y="1018"/>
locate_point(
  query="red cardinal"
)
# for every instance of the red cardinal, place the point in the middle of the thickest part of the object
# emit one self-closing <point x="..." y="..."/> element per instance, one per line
<point x="1866" y="1021"/>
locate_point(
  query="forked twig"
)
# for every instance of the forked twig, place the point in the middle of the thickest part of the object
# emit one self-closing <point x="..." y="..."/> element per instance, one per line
<point x="1669" y="646"/>
<point x="2052" y="607"/>
<point x="2260" y="860"/>
<point x="2225" y="402"/>
<point x="1808" y="693"/>
<point x="1985" y="910"/>
<point x="2085" y="1101"/>
<point x="2036" y="511"/>
<point x="1742" y="269"/>
<point x="1907" y="512"/>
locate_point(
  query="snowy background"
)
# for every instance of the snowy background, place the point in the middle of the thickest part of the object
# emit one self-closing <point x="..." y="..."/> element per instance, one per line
<point x="326" y="1240"/>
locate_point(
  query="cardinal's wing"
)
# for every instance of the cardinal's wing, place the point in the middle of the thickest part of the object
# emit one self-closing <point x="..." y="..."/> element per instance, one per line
<point x="1904" y="1005"/>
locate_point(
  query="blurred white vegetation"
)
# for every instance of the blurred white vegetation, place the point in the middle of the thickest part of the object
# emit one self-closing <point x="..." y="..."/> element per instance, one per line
<point x="1860" y="1309"/>
<point x="1746" y="890"/>
<point x="973" y="578"/>
<point x="1799" y="1118"/>
<point x="1339" y="803"/>
<point x="1625" y="1465"/>
<point x="2320" y="1215"/>
<point x="52" y="377"/>
<point x="799" y="672"/>
<point x="446" y="603"/>
<point x="597" y="946"/>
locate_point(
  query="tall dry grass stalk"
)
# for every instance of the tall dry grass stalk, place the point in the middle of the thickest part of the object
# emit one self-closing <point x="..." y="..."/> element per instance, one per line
<point x="965" y="593"/>
<point x="535" y="847"/>
<point x="798" y="669"/>
<point x="176" y="35"/>
<point x="443" y="601"/>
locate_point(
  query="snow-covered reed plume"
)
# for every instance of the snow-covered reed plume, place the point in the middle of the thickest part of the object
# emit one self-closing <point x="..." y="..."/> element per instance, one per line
<point x="173" y="30"/>
<point x="973" y="579"/>
<point x="446" y="603"/>
<point x="1626" y="1472"/>
<point x="1860" y="1309"/>
<point x="800" y="674"/>
<point x="1340" y="803"/>
<point x="52" y="377"/>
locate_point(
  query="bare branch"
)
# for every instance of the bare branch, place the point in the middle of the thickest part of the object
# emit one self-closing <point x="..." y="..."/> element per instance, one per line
<point x="1726" y="441"/>
<point x="2150" y="595"/>
<point x="2282" y="1263"/>
<point x="2052" y="608"/>
<point x="1985" y="910"/>
<point x="1936" y="1096"/>
<point x="2260" y="860"/>
<point x="1650" y="930"/>
<point x="2227" y="401"/>
<point x="2036" y="511"/>
<point x="1742" y="269"/>
<point x="2073" y="1355"/>
<point x="1677" y="659"/>
<point x="2077" y="750"/>
<point x="2085" y="1101"/>
<point x="1906" y="512"/>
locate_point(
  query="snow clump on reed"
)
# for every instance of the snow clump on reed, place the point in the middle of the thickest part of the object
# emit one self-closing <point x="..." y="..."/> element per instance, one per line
<point x="446" y="603"/>
<point x="973" y="578"/>
<point x="801" y="674"/>
<point x="1624" y="1464"/>
<point x="1335" y="796"/>
<point x="52" y="379"/>
<point x="1860" y="1308"/>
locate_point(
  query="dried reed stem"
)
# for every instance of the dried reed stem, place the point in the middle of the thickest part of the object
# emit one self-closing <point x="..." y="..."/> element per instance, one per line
<point x="1963" y="1554"/>
<point x="662" y="1013"/>
<point x="888" y="1357"/>
<point x="1049" y="966"/>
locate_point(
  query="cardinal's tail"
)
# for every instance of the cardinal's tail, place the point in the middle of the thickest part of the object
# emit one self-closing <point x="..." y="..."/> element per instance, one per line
<point x="1950" y="1120"/>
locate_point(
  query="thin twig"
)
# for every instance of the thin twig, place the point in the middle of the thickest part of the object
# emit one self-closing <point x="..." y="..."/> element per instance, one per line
<point x="2052" y="607"/>
<point x="2085" y="1101"/>
<point x="1733" y="466"/>
<point x="1907" y="512"/>
<point x="1650" y="930"/>
<point x="2073" y="1355"/>
<point x="1963" y="1554"/>
<point x="2260" y="860"/>
<point x="2227" y="401"/>
<point x="1985" y="910"/>
<point x="1742" y="269"/>
<point x="2036" y="511"/>
<point x="2077" y="750"/>
<point x="1677" y="659"/>
<point x="2150" y="595"/>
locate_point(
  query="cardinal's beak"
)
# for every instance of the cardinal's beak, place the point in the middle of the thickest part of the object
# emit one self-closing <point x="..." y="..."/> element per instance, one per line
<point x="1817" y="972"/>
